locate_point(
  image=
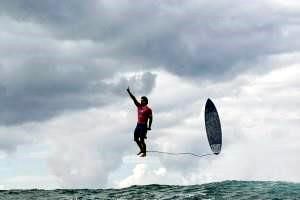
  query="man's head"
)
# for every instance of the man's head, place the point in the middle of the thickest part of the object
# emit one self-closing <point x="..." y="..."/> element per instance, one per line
<point x="144" y="100"/>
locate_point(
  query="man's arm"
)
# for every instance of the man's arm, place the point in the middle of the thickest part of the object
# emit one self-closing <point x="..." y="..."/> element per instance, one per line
<point x="133" y="97"/>
<point x="150" y="122"/>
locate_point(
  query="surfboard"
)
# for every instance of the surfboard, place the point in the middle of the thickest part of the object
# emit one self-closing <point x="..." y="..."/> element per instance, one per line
<point x="213" y="127"/>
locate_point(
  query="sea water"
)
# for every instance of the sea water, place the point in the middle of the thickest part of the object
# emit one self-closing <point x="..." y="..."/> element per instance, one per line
<point x="219" y="190"/>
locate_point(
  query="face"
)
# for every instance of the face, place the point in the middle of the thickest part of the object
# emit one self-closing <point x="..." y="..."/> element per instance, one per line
<point x="143" y="102"/>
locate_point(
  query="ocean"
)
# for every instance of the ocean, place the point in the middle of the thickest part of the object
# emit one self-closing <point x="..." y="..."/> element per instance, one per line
<point x="219" y="190"/>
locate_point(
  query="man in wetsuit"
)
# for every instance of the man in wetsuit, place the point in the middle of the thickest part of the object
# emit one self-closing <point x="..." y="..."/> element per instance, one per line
<point x="144" y="115"/>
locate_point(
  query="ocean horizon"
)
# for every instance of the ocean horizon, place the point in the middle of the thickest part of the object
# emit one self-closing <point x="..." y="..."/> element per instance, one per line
<point x="210" y="191"/>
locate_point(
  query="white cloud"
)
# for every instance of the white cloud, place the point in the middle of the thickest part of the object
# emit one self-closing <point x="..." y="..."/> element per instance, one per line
<point x="86" y="148"/>
<point x="63" y="80"/>
<point x="144" y="174"/>
<point x="260" y="141"/>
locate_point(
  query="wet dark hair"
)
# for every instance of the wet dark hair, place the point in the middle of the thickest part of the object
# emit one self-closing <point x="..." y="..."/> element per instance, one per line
<point x="145" y="99"/>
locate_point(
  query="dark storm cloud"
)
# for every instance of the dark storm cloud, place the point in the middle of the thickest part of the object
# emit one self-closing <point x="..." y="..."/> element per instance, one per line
<point x="211" y="40"/>
<point x="38" y="93"/>
<point x="86" y="42"/>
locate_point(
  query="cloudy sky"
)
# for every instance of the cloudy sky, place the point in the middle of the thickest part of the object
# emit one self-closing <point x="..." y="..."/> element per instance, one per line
<point x="67" y="122"/>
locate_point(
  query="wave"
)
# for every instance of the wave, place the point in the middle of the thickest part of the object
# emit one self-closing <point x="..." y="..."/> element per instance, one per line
<point x="218" y="190"/>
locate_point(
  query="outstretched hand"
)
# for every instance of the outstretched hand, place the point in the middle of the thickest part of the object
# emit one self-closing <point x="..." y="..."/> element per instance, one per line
<point x="128" y="89"/>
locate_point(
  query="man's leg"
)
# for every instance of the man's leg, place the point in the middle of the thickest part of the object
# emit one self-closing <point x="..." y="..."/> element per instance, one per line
<point x="142" y="140"/>
<point x="137" y="139"/>
<point x="143" y="145"/>
<point x="139" y="145"/>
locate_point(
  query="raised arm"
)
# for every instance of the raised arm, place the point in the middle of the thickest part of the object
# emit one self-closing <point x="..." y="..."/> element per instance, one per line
<point x="133" y="97"/>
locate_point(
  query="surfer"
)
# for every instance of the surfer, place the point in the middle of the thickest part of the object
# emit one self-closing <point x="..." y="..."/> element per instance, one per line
<point x="144" y="116"/>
